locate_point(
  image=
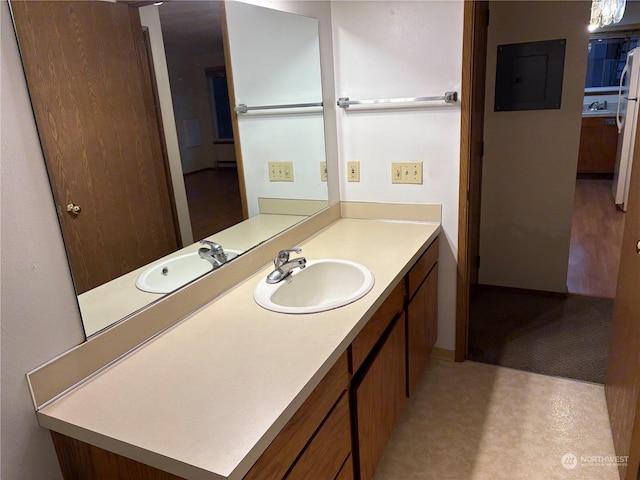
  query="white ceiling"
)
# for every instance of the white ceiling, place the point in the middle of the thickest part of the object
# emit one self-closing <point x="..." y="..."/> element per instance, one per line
<point x="189" y="25"/>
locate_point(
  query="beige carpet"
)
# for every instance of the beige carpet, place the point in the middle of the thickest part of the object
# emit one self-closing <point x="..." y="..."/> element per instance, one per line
<point x="471" y="421"/>
<point x="553" y="336"/>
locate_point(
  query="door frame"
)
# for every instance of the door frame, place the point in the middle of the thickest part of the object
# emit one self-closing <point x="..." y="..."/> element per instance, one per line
<point x="474" y="43"/>
<point x="234" y="115"/>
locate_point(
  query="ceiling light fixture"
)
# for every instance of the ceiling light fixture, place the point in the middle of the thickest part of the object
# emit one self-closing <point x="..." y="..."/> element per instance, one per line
<point x="606" y="12"/>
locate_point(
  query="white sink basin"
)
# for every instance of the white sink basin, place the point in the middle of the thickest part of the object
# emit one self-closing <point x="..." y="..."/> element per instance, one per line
<point x="168" y="275"/>
<point x="322" y="285"/>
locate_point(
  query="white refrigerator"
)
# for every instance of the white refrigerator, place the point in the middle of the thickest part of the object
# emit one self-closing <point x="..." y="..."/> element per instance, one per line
<point x="627" y="120"/>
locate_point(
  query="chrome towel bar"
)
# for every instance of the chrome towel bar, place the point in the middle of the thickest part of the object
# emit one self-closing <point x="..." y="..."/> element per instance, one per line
<point x="448" y="97"/>
<point x="242" y="108"/>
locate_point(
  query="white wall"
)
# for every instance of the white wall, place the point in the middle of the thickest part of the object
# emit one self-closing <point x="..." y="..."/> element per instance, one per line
<point x="530" y="160"/>
<point x="320" y="10"/>
<point x="276" y="60"/>
<point x="191" y="101"/>
<point x="404" y="49"/>
<point x="150" y="18"/>
<point x="40" y="316"/>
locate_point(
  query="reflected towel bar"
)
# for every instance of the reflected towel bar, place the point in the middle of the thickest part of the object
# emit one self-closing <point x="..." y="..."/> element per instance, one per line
<point x="448" y="97"/>
<point x="242" y="108"/>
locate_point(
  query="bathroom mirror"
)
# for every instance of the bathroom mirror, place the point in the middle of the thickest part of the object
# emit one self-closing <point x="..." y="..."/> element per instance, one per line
<point x="137" y="129"/>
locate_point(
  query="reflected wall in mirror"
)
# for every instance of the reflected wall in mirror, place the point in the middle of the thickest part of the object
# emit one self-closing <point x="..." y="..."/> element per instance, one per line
<point x="137" y="126"/>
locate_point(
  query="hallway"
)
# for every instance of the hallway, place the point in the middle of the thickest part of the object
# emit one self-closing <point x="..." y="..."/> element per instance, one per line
<point x="596" y="236"/>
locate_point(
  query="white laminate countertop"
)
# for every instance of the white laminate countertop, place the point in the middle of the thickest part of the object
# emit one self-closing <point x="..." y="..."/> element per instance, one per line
<point x="204" y="399"/>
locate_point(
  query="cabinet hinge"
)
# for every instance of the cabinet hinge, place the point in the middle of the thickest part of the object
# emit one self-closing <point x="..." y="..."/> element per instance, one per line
<point x="478" y="261"/>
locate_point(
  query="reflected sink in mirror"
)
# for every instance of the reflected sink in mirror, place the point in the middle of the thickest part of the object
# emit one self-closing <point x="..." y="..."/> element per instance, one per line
<point x="173" y="273"/>
<point x="323" y="285"/>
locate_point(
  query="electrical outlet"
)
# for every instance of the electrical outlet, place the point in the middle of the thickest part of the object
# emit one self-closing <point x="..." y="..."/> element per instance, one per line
<point x="353" y="171"/>
<point x="323" y="171"/>
<point x="406" y="172"/>
<point x="281" y="171"/>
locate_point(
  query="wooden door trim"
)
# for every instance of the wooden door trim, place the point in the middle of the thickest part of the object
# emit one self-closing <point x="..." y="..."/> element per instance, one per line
<point x="234" y="115"/>
<point x="623" y="362"/>
<point x="464" y="268"/>
<point x="164" y="180"/>
<point x="156" y="133"/>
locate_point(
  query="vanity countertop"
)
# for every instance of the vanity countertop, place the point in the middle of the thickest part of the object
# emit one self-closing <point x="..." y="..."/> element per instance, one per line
<point x="205" y="398"/>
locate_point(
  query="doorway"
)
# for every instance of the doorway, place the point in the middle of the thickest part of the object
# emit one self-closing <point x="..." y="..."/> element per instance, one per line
<point x="528" y="204"/>
<point x="197" y="66"/>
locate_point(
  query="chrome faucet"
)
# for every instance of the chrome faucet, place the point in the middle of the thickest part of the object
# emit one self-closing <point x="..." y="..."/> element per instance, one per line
<point x="213" y="253"/>
<point x="284" y="266"/>
<point x="594" y="106"/>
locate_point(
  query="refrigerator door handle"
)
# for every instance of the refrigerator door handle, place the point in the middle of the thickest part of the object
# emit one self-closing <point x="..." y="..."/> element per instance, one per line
<point x="620" y="121"/>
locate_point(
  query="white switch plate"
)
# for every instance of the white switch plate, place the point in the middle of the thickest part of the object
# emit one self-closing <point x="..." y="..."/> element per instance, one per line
<point x="281" y="171"/>
<point x="406" y="172"/>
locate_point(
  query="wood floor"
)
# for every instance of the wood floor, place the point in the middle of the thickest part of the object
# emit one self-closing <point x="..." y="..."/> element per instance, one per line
<point x="596" y="237"/>
<point x="214" y="200"/>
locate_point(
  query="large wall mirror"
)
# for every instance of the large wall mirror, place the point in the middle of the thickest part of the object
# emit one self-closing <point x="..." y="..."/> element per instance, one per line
<point x="147" y="151"/>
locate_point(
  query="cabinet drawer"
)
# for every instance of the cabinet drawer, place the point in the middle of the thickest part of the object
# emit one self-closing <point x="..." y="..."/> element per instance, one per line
<point x="346" y="472"/>
<point x="375" y="327"/>
<point x="328" y="449"/>
<point x="285" y="448"/>
<point x="421" y="268"/>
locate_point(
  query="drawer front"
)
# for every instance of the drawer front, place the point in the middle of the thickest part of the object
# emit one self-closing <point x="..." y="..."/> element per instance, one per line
<point x="285" y="448"/>
<point x="375" y="327"/>
<point x="346" y="472"/>
<point x="422" y="267"/>
<point x="327" y="451"/>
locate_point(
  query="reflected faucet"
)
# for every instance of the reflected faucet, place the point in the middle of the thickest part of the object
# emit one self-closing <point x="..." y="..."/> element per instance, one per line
<point x="284" y="266"/>
<point x="593" y="106"/>
<point x="214" y="253"/>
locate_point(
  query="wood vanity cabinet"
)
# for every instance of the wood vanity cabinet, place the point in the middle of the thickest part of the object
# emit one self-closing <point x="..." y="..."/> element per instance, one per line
<point x="598" y="145"/>
<point x="341" y="430"/>
<point x="421" y="314"/>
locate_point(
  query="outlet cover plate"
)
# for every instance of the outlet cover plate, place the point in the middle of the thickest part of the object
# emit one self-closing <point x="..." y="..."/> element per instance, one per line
<point x="353" y="171"/>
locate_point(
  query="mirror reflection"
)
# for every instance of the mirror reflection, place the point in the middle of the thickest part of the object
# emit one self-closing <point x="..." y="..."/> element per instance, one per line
<point x="146" y="156"/>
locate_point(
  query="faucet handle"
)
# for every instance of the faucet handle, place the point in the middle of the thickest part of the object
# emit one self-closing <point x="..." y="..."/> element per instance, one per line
<point x="283" y="256"/>
<point x="212" y="245"/>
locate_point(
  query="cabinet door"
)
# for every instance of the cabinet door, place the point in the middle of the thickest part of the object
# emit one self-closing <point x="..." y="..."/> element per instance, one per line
<point x="380" y="396"/>
<point x="598" y="145"/>
<point x="422" y="328"/>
